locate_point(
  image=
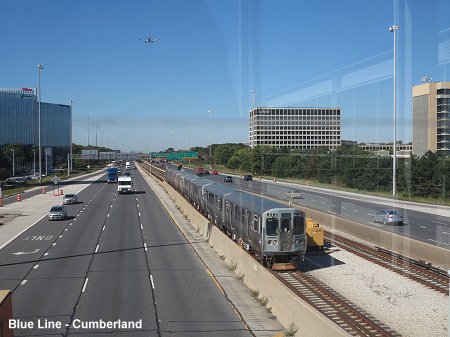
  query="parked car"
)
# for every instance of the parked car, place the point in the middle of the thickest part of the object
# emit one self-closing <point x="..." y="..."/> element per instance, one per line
<point x="70" y="199"/>
<point x="228" y="179"/>
<point x="57" y="213"/>
<point x="248" y="177"/>
<point x="214" y="172"/>
<point x="293" y="194"/>
<point x="389" y="216"/>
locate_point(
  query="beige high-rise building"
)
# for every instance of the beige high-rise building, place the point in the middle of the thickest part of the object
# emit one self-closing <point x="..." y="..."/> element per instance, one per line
<point x="431" y="118"/>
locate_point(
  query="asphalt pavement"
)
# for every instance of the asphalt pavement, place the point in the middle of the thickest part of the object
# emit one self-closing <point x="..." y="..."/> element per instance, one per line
<point x="118" y="260"/>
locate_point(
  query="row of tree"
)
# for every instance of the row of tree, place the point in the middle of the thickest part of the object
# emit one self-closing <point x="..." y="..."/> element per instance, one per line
<point x="25" y="156"/>
<point x="347" y="166"/>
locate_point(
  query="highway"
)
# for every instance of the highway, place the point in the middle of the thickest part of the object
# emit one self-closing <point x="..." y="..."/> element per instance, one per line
<point x="430" y="227"/>
<point x="117" y="257"/>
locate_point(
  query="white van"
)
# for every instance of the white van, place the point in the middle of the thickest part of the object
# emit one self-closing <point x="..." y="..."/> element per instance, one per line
<point x="124" y="184"/>
<point x="127" y="165"/>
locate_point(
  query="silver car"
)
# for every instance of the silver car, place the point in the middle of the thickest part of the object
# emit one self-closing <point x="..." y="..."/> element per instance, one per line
<point x="57" y="213"/>
<point x="70" y="199"/>
<point x="388" y="217"/>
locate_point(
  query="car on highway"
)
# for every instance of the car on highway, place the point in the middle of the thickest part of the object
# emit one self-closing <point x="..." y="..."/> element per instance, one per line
<point x="228" y="179"/>
<point x="248" y="177"/>
<point x="293" y="194"/>
<point x="70" y="199"/>
<point x="389" y="216"/>
<point x="214" y="172"/>
<point x="57" y="213"/>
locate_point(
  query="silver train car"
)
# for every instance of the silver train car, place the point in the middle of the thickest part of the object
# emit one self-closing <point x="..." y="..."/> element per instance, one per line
<point x="272" y="232"/>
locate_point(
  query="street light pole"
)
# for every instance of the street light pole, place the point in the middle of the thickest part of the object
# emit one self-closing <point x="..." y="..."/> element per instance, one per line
<point x="209" y="111"/>
<point x="14" y="173"/>
<point x="394" y="29"/>
<point x="71" y="116"/>
<point x="40" y="67"/>
<point x="34" y="162"/>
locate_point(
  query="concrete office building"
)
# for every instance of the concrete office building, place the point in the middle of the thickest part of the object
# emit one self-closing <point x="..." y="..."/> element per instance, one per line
<point x="296" y="128"/>
<point x="19" y="123"/>
<point x="431" y="118"/>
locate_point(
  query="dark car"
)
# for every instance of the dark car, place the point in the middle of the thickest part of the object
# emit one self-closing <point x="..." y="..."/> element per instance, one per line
<point x="248" y="177"/>
<point x="228" y="179"/>
<point x="389" y="216"/>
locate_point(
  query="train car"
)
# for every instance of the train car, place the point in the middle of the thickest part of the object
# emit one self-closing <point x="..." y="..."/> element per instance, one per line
<point x="213" y="196"/>
<point x="272" y="232"/>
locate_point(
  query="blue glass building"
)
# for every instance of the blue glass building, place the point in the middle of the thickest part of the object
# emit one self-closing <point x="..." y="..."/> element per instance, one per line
<point x="19" y="122"/>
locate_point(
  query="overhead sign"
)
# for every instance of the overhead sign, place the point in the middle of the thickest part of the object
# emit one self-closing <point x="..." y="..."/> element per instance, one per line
<point x="175" y="155"/>
<point x="56" y="180"/>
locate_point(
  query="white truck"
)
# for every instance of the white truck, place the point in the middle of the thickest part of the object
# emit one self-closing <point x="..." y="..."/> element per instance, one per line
<point x="124" y="184"/>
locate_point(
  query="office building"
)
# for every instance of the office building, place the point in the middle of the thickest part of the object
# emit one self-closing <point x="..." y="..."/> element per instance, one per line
<point x="19" y="123"/>
<point x="296" y="128"/>
<point x="431" y="118"/>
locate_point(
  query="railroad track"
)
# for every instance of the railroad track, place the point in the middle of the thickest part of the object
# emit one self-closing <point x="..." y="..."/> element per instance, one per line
<point x="431" y="278"/>
<point x="334" y="306"/>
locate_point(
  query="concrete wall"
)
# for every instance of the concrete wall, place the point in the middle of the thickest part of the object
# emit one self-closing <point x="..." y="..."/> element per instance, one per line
<point x="287" y="306"/>
<point x="403" y="245"/>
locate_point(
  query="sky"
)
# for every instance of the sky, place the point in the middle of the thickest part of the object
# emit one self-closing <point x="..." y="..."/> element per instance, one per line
<point x="210" y="54"/>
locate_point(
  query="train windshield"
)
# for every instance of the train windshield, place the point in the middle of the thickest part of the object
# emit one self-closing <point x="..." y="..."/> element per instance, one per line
<point x="272" y="226"/>
<point x="299" y="228"/>
<point x="285" y="224"/>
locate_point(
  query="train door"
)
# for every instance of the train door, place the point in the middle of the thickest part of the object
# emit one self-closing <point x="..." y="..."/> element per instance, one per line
<point x="286" y="233"/>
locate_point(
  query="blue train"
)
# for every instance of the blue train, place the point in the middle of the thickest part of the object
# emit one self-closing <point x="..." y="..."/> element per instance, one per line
<point x="272" y="232"/>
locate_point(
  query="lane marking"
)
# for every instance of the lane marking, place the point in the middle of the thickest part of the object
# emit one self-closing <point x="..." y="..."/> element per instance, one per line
<point x="84" y="285"/>
<point x="60" y="236"/>
<point x="23" y="282"/>
<point x="441" y="223"/>
<point x="65" y="230"/>
<point x="107" y="215"/>
<point x="103" y="228"/>
<point x="54" y="244"/>
<point x="355" y="210"/>
<point x="139" y="213"/>
<point x="151" y="280"/>
<point x="145" y="246"/>
<point x="422" y="226"/>
<point x="142" y="227"/>
<point x="45" y="254"/>
<point x="36" y="266"/>
<point x="96" y="249"/>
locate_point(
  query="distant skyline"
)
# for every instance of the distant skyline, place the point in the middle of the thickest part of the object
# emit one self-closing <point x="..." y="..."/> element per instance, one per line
<point x="210" y="56"/>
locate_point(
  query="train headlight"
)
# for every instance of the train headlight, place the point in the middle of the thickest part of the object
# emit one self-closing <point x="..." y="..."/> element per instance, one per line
<point x="275" y="242"/>
<point x="269" y="242"/>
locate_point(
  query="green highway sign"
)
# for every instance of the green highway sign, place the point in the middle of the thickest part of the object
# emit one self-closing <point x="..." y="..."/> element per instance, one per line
<point x="175" y="155"/>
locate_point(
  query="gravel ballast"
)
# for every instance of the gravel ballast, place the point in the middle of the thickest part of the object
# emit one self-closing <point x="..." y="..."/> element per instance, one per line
<point x="406" y="306"/>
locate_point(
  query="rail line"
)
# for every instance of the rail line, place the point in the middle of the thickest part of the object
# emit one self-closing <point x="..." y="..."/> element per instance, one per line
<point x="334" y="306"/>
<point x="430" y="277"/>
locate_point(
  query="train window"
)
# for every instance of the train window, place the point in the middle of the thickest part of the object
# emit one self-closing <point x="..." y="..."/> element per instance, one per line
<point x="272" y="227"/>
<point x="255" y="223"/>
<point x="299" y="225"/>
<point x="285" y="224"/>
<point x="227" y="208"/>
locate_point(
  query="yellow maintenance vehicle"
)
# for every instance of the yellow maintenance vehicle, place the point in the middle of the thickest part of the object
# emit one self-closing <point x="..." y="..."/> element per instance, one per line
<point x="314" y="235"/>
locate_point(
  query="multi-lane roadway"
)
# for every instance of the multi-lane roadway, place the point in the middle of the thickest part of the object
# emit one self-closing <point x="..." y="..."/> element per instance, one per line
<point x="118" y="260"/>
<point x="430" y="224"/>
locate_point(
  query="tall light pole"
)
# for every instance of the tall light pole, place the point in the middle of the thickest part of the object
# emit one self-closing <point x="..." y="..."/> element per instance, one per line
<point x="253" y="97"/>
<point x="71" y="116"/>
<point x="14" y="173"/>
<point x="209" y="111"/>
<point x="34" y="162"/>
<point x="394" y="29"/>
<point x="40" y="67"/>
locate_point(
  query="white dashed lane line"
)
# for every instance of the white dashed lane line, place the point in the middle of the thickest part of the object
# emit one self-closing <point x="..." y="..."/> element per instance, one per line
<point x="151" y="280"/>
<point x="145" y="246"/>
<point x="36" y="266"/>
<point x="84" y="285"/>
<point x="103" y="228"/>
<point x="23" y="282"/>
<point x="96" y="249"/>
<point x="142" y="227"/>
<point x="45" y="254"/>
